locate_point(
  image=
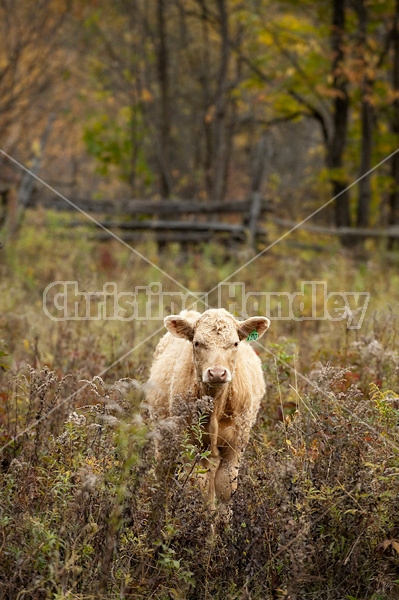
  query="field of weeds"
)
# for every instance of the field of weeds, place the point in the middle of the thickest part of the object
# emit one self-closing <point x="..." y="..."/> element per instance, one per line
<point x="82" y="514"/>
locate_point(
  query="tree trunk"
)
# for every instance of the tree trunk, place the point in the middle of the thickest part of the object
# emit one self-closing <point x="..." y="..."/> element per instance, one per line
<point x="394" y="195"/>
<point x="230" y="131"/>
<point x="364" y="198"/>
<point x="163" y="76"/>
<point x="18" y="204"/>
<point x="205" y="85"/>
<point x="338" y="137"/>
<point x="221" y="106"/>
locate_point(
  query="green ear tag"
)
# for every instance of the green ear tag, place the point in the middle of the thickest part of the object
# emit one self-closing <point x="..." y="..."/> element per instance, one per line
<point x="253" y="336"/>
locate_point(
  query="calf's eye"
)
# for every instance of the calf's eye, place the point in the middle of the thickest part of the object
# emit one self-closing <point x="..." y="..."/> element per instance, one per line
<point x="196" y="344"/>
<point x="236" y="344"/>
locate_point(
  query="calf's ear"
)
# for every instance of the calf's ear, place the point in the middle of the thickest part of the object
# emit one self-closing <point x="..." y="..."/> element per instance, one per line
<point x="179" y="327"/>
<point x="258" y="324"/>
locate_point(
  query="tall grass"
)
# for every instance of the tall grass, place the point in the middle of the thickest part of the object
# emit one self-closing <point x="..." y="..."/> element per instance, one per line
<point x="83" y="513"/>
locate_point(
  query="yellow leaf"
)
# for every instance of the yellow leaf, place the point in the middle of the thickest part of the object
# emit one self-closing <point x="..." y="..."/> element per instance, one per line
<point x="266" y="38"/>
<point x="146" y="95"/>
<point x="26" y="344"/>
<point x="36" y="148"/>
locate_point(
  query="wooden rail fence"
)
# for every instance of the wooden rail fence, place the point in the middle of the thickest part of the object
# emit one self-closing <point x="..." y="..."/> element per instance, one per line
<point x="168" y="220"/>
<point x="183" y="221"/>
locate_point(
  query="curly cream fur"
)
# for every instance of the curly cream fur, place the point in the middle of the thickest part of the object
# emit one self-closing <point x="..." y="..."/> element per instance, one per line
<point x="176" y="372"/>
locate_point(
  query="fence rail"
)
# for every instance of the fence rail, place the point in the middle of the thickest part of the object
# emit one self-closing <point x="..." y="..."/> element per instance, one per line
<point x="152" y="225"/>
<point x="356" y="232"/>
<point x="149" y="207"/>
<point x="190" y="221"/>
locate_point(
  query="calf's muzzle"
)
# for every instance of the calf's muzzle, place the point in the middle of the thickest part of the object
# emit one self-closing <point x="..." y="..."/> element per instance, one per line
<point x="217" y="375"/>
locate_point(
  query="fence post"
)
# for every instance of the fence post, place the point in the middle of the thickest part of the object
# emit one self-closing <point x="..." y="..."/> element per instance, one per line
<point x="261" y="157"/>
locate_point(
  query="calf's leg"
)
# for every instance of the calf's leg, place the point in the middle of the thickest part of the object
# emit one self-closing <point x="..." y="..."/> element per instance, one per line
<point x="227" y="474"/>
<point x="214" y="459"/>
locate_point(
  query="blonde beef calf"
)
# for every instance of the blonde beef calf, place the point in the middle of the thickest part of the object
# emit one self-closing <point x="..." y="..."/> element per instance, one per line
<point x="207" y="355"/>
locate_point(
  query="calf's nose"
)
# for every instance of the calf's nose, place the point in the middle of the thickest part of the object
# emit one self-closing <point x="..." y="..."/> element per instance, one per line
<point x="217" y="375"/>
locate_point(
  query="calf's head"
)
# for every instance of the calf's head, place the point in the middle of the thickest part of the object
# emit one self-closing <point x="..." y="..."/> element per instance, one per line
<point x="215" y="336"/>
